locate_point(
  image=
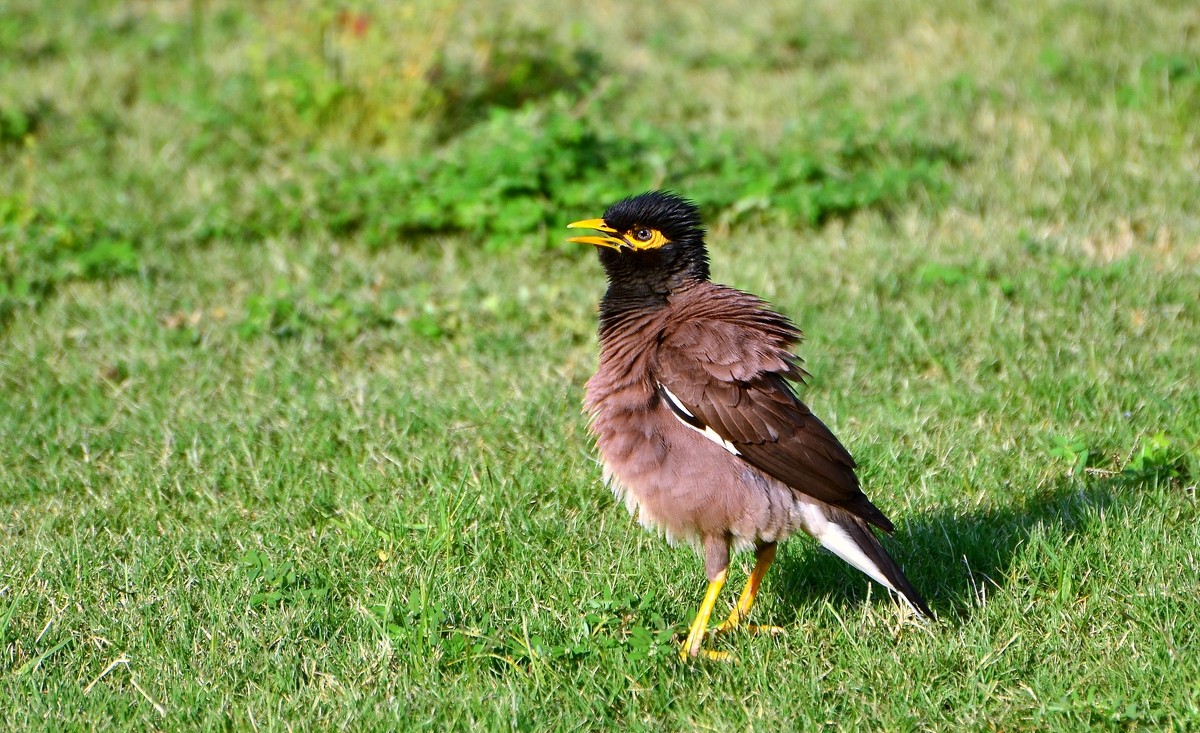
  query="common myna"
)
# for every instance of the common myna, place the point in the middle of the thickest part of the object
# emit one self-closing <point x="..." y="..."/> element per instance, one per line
<point x="698" y="427"/>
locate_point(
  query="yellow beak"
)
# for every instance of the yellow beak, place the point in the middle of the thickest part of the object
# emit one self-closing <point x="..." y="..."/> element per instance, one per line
<point x="609" y="240"/>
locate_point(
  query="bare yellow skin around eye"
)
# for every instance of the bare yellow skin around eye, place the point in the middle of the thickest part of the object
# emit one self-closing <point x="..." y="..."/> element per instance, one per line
<point x="656" y="239"/>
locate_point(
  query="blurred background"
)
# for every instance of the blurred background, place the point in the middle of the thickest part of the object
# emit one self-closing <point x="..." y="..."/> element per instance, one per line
<point x="143" y="125"/>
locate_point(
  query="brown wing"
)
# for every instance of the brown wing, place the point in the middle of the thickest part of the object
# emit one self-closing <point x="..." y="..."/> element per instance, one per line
<point x="726" y="369"/>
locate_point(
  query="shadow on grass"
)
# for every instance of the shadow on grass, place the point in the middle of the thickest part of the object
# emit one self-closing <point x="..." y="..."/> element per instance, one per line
<point x="953" y="558"/>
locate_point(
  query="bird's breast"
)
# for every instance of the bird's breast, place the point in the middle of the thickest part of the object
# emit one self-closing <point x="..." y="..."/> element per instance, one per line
<point x="677" y="481"/>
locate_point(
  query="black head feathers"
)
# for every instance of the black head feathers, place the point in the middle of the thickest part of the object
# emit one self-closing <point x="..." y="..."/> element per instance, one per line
<point x="677" y="218"/>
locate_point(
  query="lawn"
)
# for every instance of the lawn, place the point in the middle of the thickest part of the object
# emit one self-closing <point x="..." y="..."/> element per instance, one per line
<point x="292" y="353"/>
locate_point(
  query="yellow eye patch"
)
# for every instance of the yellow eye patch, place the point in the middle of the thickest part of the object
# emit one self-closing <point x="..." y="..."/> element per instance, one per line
<point x="645" y="238"/>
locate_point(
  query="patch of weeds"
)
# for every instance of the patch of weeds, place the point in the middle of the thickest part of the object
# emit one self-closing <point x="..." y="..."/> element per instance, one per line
<point x="1074" y="452"/>
<point x="607" y="623"/>
<point x="40" y="249"/>
<point x="1156" y="457"/>
<point x="522" y="174"/>
<point x="279" y="582"/>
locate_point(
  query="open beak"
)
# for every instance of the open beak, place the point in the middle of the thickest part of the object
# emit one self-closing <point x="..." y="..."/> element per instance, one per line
<point x="608" y="240"/>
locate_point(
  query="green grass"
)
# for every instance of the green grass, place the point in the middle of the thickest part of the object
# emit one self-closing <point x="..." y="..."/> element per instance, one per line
<point x="283" y="451"/>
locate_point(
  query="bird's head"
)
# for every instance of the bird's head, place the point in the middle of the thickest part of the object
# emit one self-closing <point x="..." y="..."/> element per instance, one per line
<point x="654" y="239"/>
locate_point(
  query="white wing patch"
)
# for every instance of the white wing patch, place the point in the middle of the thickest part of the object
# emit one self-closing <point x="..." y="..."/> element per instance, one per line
<point x="685" y="416"/>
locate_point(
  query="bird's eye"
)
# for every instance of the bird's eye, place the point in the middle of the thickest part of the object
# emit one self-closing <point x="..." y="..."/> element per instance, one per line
<point x="642" y="234"/>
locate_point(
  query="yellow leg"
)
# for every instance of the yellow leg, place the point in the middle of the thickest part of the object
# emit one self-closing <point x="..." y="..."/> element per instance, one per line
<point x="766" y="556"/>
<point x="695" y="637"/>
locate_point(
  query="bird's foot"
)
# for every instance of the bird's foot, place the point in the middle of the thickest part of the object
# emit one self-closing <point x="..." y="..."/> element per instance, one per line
<point x="687" y="652"/>
<point x="736" y="621"/>
<point x="693" y="645"/>
<point x="726" y="627"/>
<point x="717" y="656"/>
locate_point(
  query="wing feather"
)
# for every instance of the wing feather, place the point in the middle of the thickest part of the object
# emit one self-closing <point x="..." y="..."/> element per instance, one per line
<point x="728" y="363"/>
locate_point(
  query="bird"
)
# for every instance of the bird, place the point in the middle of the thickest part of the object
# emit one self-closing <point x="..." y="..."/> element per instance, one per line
<point x="699" y="429"/>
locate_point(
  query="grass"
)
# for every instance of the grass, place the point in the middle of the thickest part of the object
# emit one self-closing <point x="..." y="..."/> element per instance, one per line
<point x="260" y="471"/>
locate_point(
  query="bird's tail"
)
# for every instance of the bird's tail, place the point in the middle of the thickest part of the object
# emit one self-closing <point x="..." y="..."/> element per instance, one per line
<point x="849" y="537"/>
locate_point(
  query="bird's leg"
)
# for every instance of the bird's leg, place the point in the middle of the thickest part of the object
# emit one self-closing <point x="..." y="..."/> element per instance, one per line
<point x="716" y="567"/>
<point x="765" y="556"/>
<point x="699" y="629"/>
